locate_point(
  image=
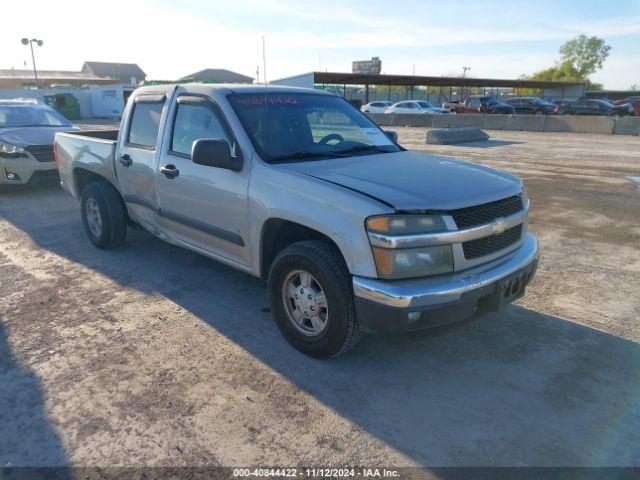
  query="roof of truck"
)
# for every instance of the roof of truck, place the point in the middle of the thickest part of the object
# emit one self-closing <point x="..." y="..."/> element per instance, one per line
<point x="231" y="87"/>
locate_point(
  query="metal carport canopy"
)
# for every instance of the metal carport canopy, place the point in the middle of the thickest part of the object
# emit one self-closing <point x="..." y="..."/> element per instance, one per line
<point x="413" y="80"/>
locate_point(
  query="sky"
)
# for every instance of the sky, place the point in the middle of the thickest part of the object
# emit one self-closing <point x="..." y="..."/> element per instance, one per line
<point x="171" y="39"/>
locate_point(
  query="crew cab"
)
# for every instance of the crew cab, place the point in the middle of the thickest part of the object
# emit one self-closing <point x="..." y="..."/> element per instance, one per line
<point x="479" y="104"/>
<point x="352" y="232"/>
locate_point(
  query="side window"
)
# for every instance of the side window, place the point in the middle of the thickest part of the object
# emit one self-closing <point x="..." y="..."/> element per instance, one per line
<point x="145" y="123"/>
<point x="474" y="103"/>
<point x="193" y="122"/>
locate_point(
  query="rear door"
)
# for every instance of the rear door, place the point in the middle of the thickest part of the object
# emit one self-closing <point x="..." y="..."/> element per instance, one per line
<point x="136" y="158"/>
<point x="203" y="206"/>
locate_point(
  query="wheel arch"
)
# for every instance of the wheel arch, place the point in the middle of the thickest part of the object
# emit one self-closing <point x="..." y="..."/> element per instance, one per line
<point x="82" y="177"/>
<point x="279" y="233"/>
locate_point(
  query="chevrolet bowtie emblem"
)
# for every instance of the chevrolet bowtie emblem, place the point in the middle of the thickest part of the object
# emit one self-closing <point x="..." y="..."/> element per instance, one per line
<point x="499" y="226"/>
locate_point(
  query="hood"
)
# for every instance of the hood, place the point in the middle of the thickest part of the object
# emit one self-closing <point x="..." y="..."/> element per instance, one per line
<point x="24" y="136"/>
<point x="414" y="180"/>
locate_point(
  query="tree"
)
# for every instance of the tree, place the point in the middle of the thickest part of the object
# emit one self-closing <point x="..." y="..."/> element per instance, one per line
<point x="585" y="54"/>
<point x="635" y="87"/>
<point x="579" y="58"/>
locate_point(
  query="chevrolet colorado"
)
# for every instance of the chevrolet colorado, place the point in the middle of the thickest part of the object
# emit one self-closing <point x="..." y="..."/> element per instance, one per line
<point x="352" y="232"/>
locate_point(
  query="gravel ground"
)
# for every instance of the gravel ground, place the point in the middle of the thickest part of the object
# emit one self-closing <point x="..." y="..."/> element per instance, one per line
<point x="152" y="355"/>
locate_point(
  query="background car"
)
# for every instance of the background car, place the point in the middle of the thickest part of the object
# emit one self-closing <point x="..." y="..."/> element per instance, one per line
<point x="415" y="107"/>
<point x="27" y="130"/>
<point x="633" y="101"/>
<point x="563" y="105"/>
<point x="532" y="105"/>
<point x="480" y="104"/>
<point x="375" y="107"/>
<point x="598" y="107"/>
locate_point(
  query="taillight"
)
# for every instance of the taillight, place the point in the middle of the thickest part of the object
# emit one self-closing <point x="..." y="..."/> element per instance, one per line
<point x="55" y="155"/>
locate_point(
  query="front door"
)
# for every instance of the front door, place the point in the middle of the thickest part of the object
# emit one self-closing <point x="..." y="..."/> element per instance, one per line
<point x="203" y="206"/>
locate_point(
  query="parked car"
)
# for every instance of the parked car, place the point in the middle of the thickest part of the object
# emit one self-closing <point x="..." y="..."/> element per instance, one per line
<point x="417" y="107"/>
<point x="633" y="101"/>
<point x="27" y="129"/>
<point x="479" y="104"/>
<point x="563" y="105"/>
<point x="302" y="189"/>
<point x="375" y="107"/>
<point x="598" y="107"/>
<point x="532" y="106"/>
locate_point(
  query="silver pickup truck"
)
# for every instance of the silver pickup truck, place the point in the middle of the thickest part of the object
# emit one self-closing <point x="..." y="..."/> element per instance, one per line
<point x="352" y="232"/>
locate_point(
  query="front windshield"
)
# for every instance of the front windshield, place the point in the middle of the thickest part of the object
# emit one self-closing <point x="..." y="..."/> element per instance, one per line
<point x="300" y="126"/>
<point x="30" y="116"/>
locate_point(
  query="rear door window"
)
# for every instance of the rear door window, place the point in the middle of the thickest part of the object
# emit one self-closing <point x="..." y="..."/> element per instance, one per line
<point x="145" y="124"/>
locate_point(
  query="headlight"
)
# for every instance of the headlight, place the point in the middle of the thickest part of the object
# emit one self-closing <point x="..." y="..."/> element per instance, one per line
<point x="524" y="196"/>
<point x="410" y="262"/>
<point x="413" y="262"/>
<point x="405" y="224"/>
<point x="8" y="149"/>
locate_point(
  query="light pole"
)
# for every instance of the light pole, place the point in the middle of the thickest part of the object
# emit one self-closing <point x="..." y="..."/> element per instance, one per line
<point x="464" y="72"/>
<point x="26" y="41"/>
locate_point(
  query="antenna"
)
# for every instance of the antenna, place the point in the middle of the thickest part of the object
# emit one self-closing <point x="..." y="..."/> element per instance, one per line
<point x="264" y="61"/>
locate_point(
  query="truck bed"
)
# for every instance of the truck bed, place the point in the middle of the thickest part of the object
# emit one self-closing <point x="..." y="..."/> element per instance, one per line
<point x="88" y="151"/>
<point x="111" y="134"/>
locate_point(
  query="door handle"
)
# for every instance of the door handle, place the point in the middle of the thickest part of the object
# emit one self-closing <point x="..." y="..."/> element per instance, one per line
<point x="126" y="160"/>
<point x="170" y="171"/>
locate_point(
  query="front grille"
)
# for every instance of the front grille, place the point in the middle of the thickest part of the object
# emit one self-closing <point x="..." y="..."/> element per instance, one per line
<point x="481" y="214"/>
<point x="488" y="245"/>
<point x="42" y="153"/>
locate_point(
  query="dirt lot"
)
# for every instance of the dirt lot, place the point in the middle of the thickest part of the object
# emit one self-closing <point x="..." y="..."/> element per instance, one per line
<point x="152" y="355"/>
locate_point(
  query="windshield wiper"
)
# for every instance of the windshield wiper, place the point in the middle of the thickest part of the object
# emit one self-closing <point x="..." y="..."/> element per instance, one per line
<point x="304" y="154"/>
<point x="363" y="148"/>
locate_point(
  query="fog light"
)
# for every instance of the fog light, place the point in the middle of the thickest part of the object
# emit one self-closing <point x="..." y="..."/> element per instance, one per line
<point x="413" y="316"/>
<point x="12" y="176"/>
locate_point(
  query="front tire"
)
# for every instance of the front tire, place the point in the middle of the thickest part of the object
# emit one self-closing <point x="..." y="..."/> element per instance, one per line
<point x="311" y="298"/>
<point x="103" y="215"/>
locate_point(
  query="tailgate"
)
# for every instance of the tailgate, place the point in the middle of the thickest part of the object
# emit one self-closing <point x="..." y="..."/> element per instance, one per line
<point x="85" y="154"/>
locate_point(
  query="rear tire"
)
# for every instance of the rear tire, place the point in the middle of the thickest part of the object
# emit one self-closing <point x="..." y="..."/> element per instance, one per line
<point x="103" y="215"/>
<point x="328" y="279"/>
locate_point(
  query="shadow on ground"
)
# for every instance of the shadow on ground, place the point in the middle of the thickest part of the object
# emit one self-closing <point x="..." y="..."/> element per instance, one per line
<point x="26" y="434"/>
<point x="516" y="388"/>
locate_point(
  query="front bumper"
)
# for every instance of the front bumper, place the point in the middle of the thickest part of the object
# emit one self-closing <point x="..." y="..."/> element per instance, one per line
<point x="25" y="170"/>
<point x="414" y="304"/>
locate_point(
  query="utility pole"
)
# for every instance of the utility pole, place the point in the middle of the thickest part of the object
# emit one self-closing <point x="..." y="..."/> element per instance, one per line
<point x="264" y="62"/>
<point x="464" y="71"/>
<point x="26" y="41"/>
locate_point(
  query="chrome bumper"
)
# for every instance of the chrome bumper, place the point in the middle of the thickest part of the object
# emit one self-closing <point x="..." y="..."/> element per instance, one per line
<point x="426" y="292"/>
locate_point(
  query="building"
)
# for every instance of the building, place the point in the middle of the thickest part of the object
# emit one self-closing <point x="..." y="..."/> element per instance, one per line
<point x="92" y="73"/>
<point x="11" y="78"/>
<point x="216" y="75"/>
<point x="129" y="74"/>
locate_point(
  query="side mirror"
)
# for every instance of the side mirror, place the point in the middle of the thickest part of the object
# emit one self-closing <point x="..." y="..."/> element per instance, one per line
<point x="392" y="135"/>
<point x="214" y="152"/>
